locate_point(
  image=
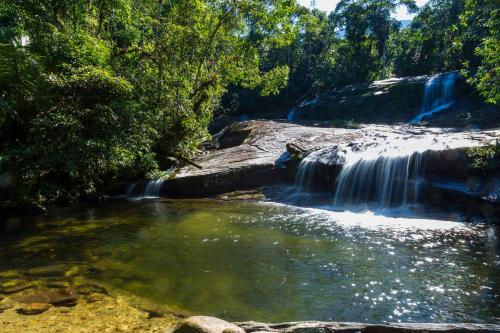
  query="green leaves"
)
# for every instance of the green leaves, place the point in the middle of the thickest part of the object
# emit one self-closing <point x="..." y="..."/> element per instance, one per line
<point x="275" y="80"/>
<point x="106" y="90"/>
<point x="480" y="32"/>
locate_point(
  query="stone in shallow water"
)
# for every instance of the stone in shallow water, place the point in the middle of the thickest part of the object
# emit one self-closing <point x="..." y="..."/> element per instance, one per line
<point x="34" y="308"/>
<point x="92" y="298"/>
<point x="63" y="296"/>
<point x="87" y="289"/>
<point x="33" y="298"/>
<point x="204" y="324"/>
<point x="5" y="305"/>
<point x="53" y="270"/>
<point x="16" y="286"/>
<point x="58" y="284"/>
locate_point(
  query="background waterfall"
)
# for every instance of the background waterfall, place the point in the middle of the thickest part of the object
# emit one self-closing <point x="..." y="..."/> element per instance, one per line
<point x="293" y="114"/>
<point x="438" y="95"/>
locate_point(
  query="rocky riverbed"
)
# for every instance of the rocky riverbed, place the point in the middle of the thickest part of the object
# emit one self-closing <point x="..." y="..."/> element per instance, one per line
<point x="53" y="299"/>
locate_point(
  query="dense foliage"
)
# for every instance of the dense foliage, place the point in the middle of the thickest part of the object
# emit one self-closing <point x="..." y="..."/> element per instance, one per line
<point x="97" y="92"/>
<point x="94" y="92"/>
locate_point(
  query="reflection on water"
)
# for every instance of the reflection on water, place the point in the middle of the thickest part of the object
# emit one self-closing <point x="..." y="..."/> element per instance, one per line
<point x="270" y="262"/>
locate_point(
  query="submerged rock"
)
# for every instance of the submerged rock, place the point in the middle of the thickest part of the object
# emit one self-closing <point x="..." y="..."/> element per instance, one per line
<point x="48" y="271"/>
<point x="204" y="324"/>
<point x="34" y="308"/>
<point x="15" y="286"/>
<point x="33" y="298"/>
<point x="58" y="284"/>
<point x="92" y="298"/>
<point x="89" y="288"/>
<point x="6" y="304"/>
<point x="63" y="296"/>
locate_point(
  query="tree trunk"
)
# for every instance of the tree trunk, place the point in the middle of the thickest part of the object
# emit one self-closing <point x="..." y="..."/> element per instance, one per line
<point x="384" y="60"/>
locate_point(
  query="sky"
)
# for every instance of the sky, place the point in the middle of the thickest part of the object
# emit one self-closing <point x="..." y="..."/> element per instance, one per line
<point x="329" y="5"/>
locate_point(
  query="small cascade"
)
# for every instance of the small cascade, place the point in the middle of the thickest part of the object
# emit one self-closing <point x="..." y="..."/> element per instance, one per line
<point x="438" y="95"/>
<point x="292" y="115"/>
<point x="305" y="174"/>
<point x="152" y="189"/>
<point x="132" y="190"/>
<point x="389" y="181"/>
<point x="315" y="166"/>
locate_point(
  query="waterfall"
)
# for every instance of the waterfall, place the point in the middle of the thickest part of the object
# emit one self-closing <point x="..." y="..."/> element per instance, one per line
<point x="438" y="95"/>
<point x="387" y="180"/>
<point x="384" y="166"/>
<point x="305" y="174"/>
<point x="292" y="115"/>
<point x="317" y="165"/>
<point x="152" y="189"/>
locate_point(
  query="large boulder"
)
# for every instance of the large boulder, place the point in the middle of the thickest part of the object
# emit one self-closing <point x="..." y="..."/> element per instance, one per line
<point x="204" y="324"/>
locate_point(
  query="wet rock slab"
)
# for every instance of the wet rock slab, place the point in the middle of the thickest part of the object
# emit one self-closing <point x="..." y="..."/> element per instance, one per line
<point x="34" y="308"/>
<point x="330" y="327"/>
<point x="247" y="159"/>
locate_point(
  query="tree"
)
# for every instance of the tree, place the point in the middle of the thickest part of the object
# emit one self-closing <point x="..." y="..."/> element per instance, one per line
<point x="427" y="46"/>
<point x="479" y="42"/>
<point x="364" y="19"/>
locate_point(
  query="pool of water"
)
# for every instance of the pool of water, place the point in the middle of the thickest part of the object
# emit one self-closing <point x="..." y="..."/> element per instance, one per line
<point x="272" y="262"/>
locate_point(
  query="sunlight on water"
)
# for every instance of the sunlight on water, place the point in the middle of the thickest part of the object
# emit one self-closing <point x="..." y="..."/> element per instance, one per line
<point x="393" y="219"/>
<point x="274" y="262"/>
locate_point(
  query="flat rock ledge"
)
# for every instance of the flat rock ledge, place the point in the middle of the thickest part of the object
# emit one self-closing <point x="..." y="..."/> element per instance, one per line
<point x="248" y="155"/>
<point x="203" y="324"/>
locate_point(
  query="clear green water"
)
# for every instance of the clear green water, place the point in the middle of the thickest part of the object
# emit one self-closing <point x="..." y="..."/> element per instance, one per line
<point x="268" y="262"/>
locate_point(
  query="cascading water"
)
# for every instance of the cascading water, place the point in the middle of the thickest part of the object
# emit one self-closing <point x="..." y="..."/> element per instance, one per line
<point x="292" y="115"/>
<point x="151" y="190"/>
<point x="438" y="95"/>
<point x="382" y="167"/>
<point x="316" y="165"/>
<point x="387" y="180"/>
